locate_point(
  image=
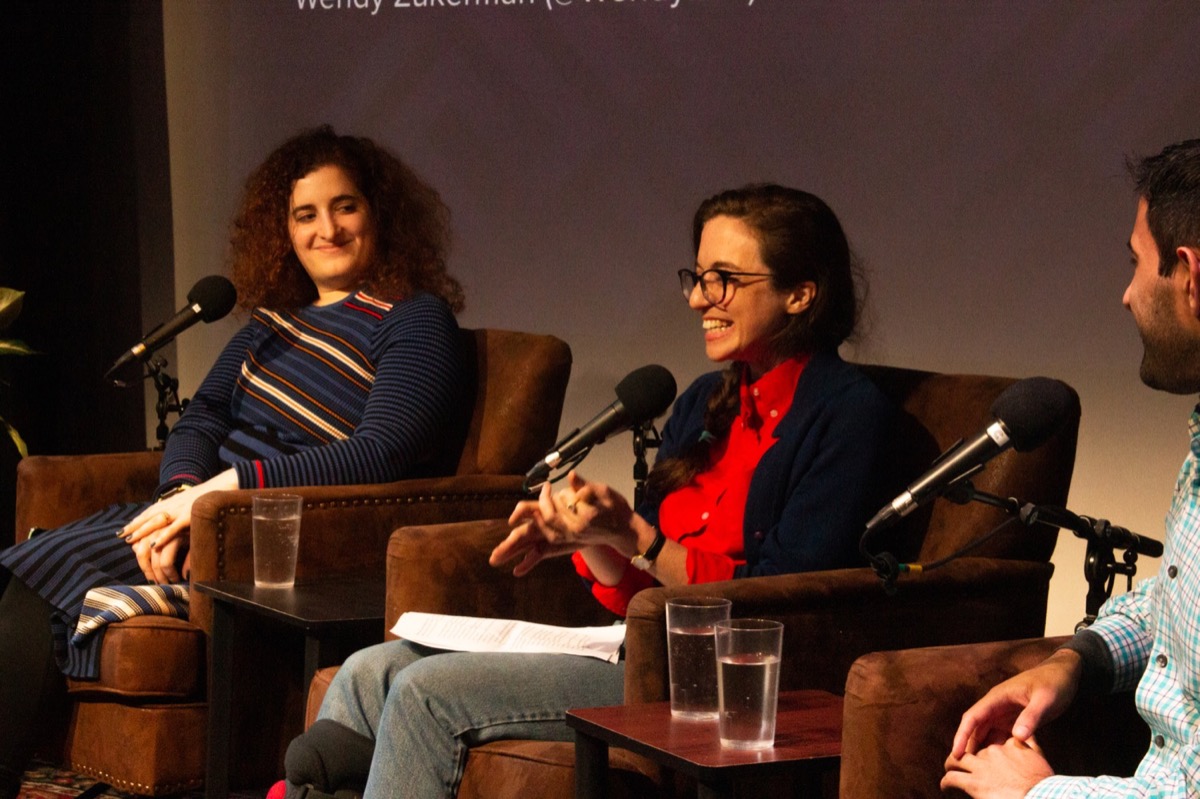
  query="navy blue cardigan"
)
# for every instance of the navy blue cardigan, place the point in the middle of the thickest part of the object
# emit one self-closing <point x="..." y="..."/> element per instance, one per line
<point x="815" y="488"/>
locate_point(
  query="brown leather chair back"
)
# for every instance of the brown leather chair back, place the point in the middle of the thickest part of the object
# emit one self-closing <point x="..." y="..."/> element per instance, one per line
<point x="521" y="379"/>
<point x="937" y="410"/>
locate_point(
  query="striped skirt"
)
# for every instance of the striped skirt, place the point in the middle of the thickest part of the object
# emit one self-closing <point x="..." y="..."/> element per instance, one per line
<point x="62" y="565"/>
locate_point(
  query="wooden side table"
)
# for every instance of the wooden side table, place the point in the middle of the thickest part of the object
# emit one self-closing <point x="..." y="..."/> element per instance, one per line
<point x="328" y="611"/>
<point x="808" y="735"/>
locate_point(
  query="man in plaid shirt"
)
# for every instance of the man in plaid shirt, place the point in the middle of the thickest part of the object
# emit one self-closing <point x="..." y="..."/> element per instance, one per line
<point x="1149" y="637"/>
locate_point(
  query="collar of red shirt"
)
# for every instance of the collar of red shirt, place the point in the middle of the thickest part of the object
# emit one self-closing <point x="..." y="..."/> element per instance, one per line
<point x="773" y="390"/>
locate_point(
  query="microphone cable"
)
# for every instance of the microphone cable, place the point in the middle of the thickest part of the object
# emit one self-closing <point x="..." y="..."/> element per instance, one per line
<point x="888" y="568"/>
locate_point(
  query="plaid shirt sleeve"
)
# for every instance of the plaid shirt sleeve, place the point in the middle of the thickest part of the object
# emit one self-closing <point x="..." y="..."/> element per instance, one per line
<point x="1126" y="626"/>
<point x="1113" y="788"/>
<point x="1153" y="636"/>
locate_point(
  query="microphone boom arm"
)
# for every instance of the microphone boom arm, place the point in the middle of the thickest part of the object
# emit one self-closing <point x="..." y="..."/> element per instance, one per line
<point x="1100" y="566"/>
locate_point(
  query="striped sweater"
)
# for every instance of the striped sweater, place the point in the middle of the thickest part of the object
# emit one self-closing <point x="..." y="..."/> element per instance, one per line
<point x="360" y="391"/>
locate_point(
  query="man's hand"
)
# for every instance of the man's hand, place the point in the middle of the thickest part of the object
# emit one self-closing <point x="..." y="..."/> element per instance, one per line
<point x="1018" y="706"/>
<point x="1000" y="771"/>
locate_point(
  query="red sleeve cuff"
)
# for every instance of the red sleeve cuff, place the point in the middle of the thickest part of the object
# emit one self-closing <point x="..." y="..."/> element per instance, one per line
<point x="709" y="567"/>
<point x="614" y="597"/>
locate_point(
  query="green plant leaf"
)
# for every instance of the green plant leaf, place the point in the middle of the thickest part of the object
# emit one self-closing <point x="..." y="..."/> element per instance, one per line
<point x="10" y="306"/>
<point x="10" y="346"/>
<point x="16" y="439"/>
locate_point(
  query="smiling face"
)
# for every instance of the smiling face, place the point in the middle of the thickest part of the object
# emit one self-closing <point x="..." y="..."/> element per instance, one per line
<point x="743" y="326"/>
<point x="1165" y="312"/>
<point x="331" y="231"/>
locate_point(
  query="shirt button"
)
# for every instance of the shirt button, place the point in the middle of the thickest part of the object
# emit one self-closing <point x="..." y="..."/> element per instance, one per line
<point x="1161" y="660"/>
<point x="759" y="535"/>
<point x="774" y="414"/>
<point x="704" y="516"/>
<point x="1173" y="572"/>
<point x="1160" y="741"/>
<point x="1194" y="443"/>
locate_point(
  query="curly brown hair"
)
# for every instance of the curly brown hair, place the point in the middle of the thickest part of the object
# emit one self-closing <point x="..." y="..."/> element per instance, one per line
<point x="412" y="224"/>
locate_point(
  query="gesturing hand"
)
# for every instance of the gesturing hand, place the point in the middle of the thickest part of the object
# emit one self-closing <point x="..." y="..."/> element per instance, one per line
<point x="582" y="515"/>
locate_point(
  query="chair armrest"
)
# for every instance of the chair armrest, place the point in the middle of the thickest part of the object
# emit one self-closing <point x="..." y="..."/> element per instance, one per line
<point x="832" y="617"/>
<point x="902" y="709"/>
<point x="55" y="489"/>
<point x="343" y="530"/>
<point x="444" y="569"/>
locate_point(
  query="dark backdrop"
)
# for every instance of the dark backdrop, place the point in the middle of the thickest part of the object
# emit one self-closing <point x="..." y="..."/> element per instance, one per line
<point x="84" y="217"/>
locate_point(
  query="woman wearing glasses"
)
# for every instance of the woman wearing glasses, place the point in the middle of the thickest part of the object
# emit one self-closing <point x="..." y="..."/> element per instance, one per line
<point x="768" y="467"/>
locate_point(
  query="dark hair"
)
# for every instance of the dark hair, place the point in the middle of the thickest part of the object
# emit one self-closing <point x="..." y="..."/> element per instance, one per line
<point x="1170" y="184"/>
<point x="800" y="240"/>
<point x="411" y="224"/>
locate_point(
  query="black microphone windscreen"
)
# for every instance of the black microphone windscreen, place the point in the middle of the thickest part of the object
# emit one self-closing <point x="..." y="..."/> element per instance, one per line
<point x="1033" y="409"/>
<point x="646" y="392"/>
<point x="215" y="295"/>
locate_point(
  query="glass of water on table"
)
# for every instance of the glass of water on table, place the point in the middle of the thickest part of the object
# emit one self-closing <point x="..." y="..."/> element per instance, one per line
<point x="276" y="532"/>
<point x="748" y="655"/>
<point x="691" y="654"/>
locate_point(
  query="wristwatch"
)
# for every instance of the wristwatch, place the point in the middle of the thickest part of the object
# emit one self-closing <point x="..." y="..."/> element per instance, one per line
<point x="170" y="492"/>
<point x="645" y="560"/>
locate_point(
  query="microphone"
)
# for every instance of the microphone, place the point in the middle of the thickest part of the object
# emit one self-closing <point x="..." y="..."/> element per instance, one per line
<point x="1088" y="528"/>
<point x="209" y="300"/>
<point x="1026" y="414"/>
<point x="644" y="394"/>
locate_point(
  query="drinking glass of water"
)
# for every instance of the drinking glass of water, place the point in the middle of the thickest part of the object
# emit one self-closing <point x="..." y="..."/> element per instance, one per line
<point x="691" y="654"/>
<point x="276" y="529"/>
<point x="748" y="653"/>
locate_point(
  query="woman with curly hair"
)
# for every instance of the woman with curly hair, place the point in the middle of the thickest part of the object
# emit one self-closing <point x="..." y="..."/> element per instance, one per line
<point x="348" y="372"/>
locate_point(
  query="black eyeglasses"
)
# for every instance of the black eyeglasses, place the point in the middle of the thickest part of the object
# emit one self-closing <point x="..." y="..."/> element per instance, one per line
<point x="709" y="281"/>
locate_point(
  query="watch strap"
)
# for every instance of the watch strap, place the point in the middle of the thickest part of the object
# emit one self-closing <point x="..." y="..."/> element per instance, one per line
<point x="645" y="559"/>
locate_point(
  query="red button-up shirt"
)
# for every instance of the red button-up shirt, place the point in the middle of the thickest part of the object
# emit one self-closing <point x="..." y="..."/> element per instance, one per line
<point x="706" y="514"/>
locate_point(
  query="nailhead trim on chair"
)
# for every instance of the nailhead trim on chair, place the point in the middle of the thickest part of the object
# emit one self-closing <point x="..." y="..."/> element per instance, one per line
<point x="135" y="787"/>
<point x="347" y="503"/>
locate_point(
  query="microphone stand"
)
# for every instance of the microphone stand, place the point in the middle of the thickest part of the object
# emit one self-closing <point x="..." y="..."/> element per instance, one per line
<point x="168" y="396"/>
<point x="644" y="437"/>
<point x="1100" y="566"/>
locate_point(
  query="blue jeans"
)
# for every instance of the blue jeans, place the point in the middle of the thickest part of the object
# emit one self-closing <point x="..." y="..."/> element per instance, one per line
<point x="424" y="708"/>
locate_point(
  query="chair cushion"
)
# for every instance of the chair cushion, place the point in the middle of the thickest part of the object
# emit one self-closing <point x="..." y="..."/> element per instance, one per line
<point x="174" y="647"/>
<point x="546" y="769"/>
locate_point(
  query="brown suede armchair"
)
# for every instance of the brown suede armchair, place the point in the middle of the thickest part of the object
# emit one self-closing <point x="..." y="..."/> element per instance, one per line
<point x="831" y="617"/>
<point x="902" y="709"/>
<point x="141" y="726"/>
